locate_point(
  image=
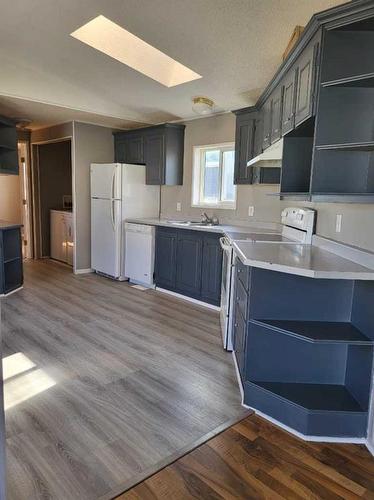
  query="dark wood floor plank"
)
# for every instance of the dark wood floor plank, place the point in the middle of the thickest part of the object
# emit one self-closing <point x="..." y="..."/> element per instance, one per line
<point x="136" y="378"/>
<point x="255" y="459"/>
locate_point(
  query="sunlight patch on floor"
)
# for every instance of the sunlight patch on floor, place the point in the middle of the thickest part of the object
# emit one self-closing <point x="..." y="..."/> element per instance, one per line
<point x="23" y="380"/>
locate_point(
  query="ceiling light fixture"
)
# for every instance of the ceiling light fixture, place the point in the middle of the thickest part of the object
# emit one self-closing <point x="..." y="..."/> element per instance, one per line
<point x="108" y="37"/>
<point x="202" y="105"/>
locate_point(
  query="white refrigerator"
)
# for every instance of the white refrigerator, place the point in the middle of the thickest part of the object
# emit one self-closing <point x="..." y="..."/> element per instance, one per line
<point x="118" y="192"/>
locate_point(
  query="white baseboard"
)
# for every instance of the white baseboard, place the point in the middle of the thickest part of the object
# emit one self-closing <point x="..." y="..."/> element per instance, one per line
<point x="370" y="447"/>
<point x="189" y="299"/>
<point x="304" y="437"/>
<point x="83" y="271"/>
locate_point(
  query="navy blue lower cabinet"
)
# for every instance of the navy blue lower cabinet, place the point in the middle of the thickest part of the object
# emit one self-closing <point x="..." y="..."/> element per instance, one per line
<point x="166" y="258"/>
<point x="190" y="263"/>
<point x="305" y="352"/>
<point x="211" y="278"/>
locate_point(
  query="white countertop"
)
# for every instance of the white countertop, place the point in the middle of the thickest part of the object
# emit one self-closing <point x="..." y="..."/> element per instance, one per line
<point x="303" y="260"/>
<point x="229" y="230"/>
<point x="292" y="258"/>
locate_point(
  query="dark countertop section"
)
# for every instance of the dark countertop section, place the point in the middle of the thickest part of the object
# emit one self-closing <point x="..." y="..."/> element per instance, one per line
<point x="8" y="225"/>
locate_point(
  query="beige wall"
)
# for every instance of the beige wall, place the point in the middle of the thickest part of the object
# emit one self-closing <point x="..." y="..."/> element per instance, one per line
<point x="10" y="198"/>
<point x="357" y="223"/>
<point x="52" y="133"/>
<point x="92" y="144"/>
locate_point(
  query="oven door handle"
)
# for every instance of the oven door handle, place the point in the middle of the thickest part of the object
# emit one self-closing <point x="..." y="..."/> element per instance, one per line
<point x="225" y="244"/>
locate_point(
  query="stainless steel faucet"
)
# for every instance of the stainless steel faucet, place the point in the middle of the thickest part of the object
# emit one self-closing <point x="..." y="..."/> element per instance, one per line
<point x="211" y="221"/>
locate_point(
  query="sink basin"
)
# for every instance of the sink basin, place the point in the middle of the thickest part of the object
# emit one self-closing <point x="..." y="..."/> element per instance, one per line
<point x="191" y="223"/>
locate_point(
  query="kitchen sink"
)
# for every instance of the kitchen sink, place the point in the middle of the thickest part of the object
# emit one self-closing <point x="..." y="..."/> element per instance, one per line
<point x="191" y="223"/>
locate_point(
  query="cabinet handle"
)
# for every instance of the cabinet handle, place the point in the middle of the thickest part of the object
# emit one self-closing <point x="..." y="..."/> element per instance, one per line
<point x="236" y="325"/>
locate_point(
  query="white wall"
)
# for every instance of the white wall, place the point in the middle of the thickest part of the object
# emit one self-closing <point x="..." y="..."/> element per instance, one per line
<point x="10" y="198"/>
<point x="358" y="220"/>
<point x="91" y="144"/>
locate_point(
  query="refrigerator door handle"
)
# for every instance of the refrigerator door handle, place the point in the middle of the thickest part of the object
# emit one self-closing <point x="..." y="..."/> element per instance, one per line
<point x="112" y="216"/>
<point x="113" y="182"/>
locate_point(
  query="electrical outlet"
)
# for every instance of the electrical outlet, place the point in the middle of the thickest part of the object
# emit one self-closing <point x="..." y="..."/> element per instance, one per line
<point x="338" y="224"/>
<point x="251" y="211"/>
<point x="179" y="206"/>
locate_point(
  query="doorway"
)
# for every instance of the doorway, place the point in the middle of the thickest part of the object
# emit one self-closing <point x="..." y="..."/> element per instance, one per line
<point x="52" y="187"/>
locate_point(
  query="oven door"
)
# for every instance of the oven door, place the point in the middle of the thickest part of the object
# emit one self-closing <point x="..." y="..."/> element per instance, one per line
<point x="226" y="287"/>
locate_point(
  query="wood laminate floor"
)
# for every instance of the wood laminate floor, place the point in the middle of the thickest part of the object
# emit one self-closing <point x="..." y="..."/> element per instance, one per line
<point x="256" y="460"/>
<point x="106" y="384"/>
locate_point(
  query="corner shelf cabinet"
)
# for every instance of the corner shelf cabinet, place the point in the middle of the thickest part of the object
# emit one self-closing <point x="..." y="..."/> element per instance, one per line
<point x="11" y="263"/>
<point x="305" y="356"/>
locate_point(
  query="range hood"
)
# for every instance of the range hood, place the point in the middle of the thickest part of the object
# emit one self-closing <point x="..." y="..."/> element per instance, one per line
<point x="272" y="153"/>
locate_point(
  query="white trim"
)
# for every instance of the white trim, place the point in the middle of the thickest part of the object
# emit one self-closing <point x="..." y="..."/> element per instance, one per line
<point x="12" y="292"/>
<point x="189" y="299"/>
<point x="74" y="200"/>
<point x="65" y="138"/>
<point x="305" y="437"/>
<point x="370" y="447"/>
<point x="83" y="271"/>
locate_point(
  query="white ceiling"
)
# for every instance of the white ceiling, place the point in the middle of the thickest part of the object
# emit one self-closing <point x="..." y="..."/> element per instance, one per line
<point x="236" y="45"/>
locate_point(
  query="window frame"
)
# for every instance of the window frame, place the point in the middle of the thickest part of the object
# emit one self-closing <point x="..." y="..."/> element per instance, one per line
<point x="198" y="177"/>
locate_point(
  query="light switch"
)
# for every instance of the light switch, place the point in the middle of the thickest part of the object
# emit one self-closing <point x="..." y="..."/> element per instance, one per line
<point x="251" y="211"/>
<point x="338" y="224"/>
<point x="179" y="206"/>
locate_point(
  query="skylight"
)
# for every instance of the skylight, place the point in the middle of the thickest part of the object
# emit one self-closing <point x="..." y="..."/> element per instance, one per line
<point x="113" y="40"/>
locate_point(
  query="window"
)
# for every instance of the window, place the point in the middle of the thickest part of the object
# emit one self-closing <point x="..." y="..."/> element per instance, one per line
<point x="213" y="176"/>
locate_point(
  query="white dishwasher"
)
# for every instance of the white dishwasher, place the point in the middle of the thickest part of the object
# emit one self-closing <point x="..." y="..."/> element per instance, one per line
<point x="139" y="253"/>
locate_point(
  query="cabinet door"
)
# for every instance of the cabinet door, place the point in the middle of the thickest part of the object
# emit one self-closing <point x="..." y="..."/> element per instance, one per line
<point x="119" y="150"/>
<point x="305" y="85"/>
<point x="58" y="242"/>
<point x="211" y="270"/>
<point x="134" y="148"/>
<point x="258" y="135"/>
<point x="240" y="341"/>
<point x="189" y="262"/>
<point x="154" y="151"/>
<point x="276" y="114"/>
<point x="165" y="258"/>
<point x="69" y="239"/>
<point x="288" y="109"/>
<point x="266" y="121"/>
<point x="244" y="136"/>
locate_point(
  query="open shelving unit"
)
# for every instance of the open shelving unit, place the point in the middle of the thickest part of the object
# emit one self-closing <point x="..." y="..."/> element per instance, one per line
<point x="343" y="162"/>
<point x="8" y="147"/>
<point x="11" y="265"/>
<point x="309" y="352"/>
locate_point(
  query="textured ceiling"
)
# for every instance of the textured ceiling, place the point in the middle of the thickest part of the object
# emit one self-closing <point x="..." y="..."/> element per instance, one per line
<point x="236" y="45"/>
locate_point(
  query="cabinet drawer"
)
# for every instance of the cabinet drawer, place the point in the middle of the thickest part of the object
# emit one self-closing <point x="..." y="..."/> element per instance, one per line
<point x="241" y="299"/>
<point x="242" y="273"/>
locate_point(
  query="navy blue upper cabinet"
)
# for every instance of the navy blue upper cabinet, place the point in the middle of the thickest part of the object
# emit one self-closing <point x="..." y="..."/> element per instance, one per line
<point x="8" y="147"/>
<point x="266" y="124"/>
<point x="305" y="87"/>
<point x="211" y="269"/>
<point x="276" y="114"/>
<point x="160" y="148"/>
<point x="189" y="262"/>
<point x="288" y="109"/>
<point x="166" y="258"/>
<point x="155" y="158"/>
<point x="244" y="143"/>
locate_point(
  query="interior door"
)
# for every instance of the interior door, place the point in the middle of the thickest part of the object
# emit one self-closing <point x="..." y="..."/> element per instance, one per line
<point x="106" y="181"/>
<point x="106" y="236"/>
